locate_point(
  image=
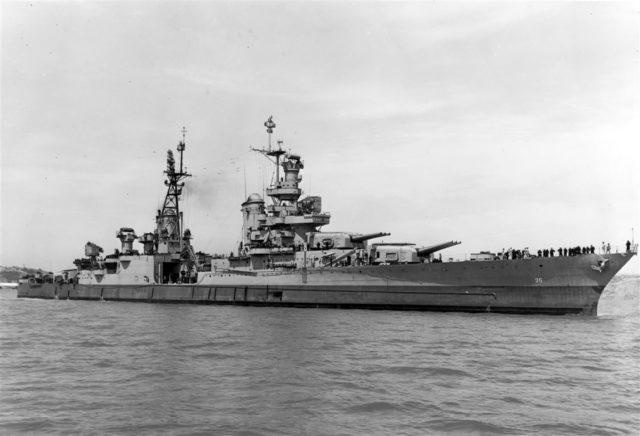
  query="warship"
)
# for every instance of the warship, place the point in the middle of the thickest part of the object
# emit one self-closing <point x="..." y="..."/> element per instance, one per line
<point x="285" y="259"/>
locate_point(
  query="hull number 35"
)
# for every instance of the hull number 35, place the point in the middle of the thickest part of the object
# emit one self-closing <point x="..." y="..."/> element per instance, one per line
<point x="537" y="280"/>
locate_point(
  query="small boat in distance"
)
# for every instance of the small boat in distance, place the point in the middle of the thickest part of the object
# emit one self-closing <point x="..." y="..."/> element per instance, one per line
<point x="8" y="285"/>
<point x="285" y="259"/>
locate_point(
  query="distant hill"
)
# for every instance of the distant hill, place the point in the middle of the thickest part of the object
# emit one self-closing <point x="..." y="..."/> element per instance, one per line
<point x="11" y="274"/>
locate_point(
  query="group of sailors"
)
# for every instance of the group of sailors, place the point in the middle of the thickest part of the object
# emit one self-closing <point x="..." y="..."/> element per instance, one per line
<point x="562" y="251"/>
<point x="571" y="251"/>
<point x="547" y="252"/>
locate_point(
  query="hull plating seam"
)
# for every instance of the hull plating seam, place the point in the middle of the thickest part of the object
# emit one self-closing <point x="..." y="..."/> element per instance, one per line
<point x="365" y="306"/>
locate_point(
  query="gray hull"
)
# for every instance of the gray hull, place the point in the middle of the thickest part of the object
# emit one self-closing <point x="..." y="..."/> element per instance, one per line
<point x="561" y="285"/>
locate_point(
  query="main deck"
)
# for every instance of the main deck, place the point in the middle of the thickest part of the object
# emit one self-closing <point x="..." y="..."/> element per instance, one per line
<point x="571" y="285"/>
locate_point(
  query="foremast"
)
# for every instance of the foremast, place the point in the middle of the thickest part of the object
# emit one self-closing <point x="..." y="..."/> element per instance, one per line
<point x="284" y="190"/>
<point x="169" y="218"/>
<point x="283" y="225"/>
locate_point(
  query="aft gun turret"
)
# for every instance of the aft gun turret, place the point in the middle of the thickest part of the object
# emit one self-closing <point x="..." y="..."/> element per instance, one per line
<point x="362" y="238"/>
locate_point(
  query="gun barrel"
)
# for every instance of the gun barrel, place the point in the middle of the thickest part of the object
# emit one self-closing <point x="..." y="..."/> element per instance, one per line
<point x="424" y="252"/>
<point x="362" y="238"/>
<point x="339" y="258"/>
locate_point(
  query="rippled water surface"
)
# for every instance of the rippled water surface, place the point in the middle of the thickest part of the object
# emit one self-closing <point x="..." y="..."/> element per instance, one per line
<point x="74" y="367"/>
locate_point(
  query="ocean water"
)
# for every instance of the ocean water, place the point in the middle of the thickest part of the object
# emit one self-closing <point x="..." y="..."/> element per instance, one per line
<point x="75" y="367"/>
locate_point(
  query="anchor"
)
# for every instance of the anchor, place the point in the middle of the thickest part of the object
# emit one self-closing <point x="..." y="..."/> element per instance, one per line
<point x="601" y="266"/>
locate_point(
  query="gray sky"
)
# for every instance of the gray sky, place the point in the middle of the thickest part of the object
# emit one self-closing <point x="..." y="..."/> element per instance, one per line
<point x="497" y="124"/>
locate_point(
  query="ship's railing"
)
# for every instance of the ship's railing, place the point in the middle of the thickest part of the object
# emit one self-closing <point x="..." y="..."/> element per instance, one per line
<point x="467" y="256"/>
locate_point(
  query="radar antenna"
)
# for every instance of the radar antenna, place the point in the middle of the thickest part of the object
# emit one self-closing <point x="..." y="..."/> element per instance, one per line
<point x="181" y="145"/>
<point x="270" y="125"/>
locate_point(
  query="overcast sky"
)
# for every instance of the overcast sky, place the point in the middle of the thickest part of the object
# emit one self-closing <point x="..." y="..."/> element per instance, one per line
<point x="497" y="124"/>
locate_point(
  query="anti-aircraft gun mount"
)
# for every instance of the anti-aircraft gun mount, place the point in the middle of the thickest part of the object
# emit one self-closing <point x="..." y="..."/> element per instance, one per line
<point x="92" y="252"/>
<point x="127" y="237"/>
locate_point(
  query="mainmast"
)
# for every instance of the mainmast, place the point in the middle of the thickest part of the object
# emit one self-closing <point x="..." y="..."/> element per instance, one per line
<point x="169" y="218"/>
